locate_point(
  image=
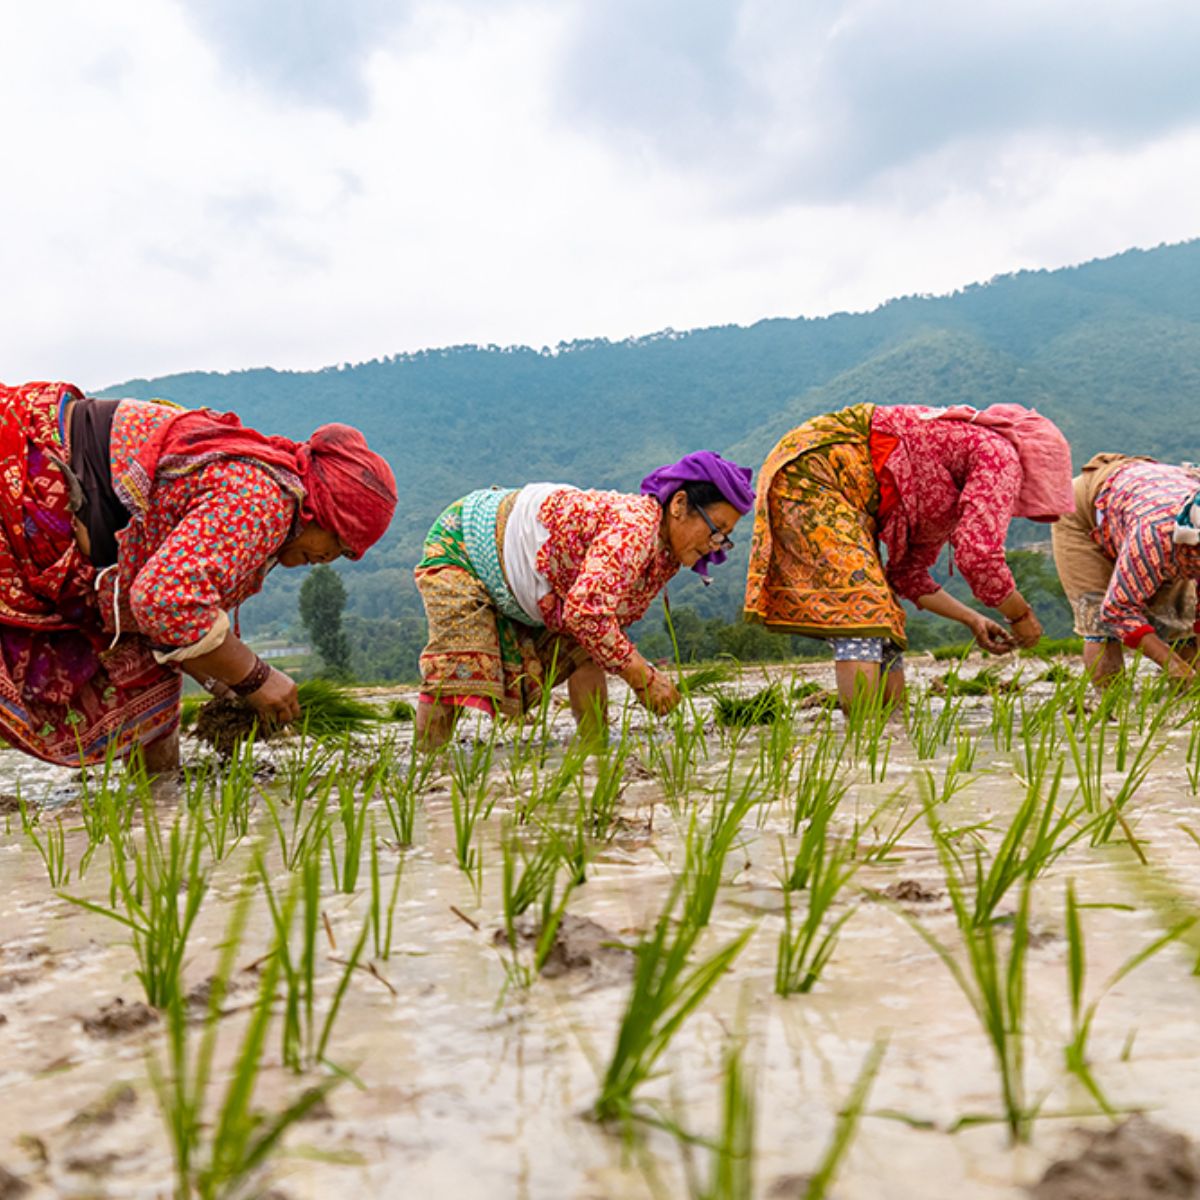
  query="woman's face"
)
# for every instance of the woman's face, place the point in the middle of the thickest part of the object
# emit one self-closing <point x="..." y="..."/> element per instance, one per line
<point x="311" y="545"/>
<point x="690" y="536"/>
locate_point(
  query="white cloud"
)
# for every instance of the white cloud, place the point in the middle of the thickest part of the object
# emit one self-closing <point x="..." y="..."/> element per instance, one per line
<point x="171" y="208"/>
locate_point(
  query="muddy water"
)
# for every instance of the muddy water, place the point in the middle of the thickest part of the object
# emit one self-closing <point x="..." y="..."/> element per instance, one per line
<point x="470" y="1090"/>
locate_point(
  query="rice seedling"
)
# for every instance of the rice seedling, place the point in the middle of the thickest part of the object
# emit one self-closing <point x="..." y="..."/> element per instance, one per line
<point x="352" y="811"/>
<point x="309" y="828"/>
<point x="953" y="650"/>
<point x="846" y="1125"/>
<point x="229" y="797"/>
<point x="600" y="805"/>
<point x="930" y="728"/>
<point x="549" y="787"/>
<point x="156" y="890"/>
<point x="994" y="985"/>
<point x="804" y="949"/>
<point x="383" y="917"/>
<point x="217" y="1154"/>
<point x="707" y="847"/>
<point x="866" y="730"/>
<point x="1192" y="763"/>
<point x="1075" y="1052"/>
<point x="706" y="678"/>
<point x="1138" y="767"/>
<point x="50" y="842"/>
<point x="674" y="758"/>
<point x="776" y="759"/>
<point x="400" y="710"/>
<point x="666" y="990"/>
<point x="820" y="776"/>
<point x="189" y="709"/>
<point x="956" y="775"/>
<point x="471" y="800"/>
<point x="887" y="834"/>
<point x="1037" y="836"/>
<point x="731" y="1169"/>
<point x="400" y="792"/>
<point x="761" y="708"/>
<point x="1053" y="648"/>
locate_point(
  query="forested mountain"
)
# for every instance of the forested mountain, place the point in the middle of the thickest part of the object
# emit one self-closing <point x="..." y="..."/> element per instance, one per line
<point x="1109" y="349"/>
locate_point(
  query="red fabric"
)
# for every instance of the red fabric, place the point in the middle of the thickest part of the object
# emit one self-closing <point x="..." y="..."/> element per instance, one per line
<point x="483" y="703"/>
<point x="65" y="696"/>
<point x="1133" y="639"/>
<point x="1047" y="490"/>
<point x="349" y="489"/>
<point x="881" y="445"/>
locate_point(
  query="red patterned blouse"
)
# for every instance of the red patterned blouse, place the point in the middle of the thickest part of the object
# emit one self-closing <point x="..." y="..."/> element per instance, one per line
<point x="203" y="547"/>
<point x="604" y="564"/>
<point x="951" y="481"/>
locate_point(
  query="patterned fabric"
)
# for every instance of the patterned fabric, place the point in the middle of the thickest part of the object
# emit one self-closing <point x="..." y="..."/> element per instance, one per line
<point x="473" y="650"/>
<point x="64" y="695"/>
<point x="1135" y="513"/>
<point x="203" y="544"/>
<point x="814" y="562"/>
<point x="877" y="650"/>
<point x="954" y="482"/>
<point x="605" y="564"/>
<point x="479" y="515"/>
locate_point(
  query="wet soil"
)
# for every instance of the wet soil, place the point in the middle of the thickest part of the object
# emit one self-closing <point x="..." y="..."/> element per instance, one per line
<point x="1138" y="1160"/>
<point x="582" y="947"/>
<point x="118" y="1018"/>
<point x="11" y="1187"/>
<point x="911" y="891"/>
<point x="222" y="724"/>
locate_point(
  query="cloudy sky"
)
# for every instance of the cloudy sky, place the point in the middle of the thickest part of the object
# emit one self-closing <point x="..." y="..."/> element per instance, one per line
<point x="215" y="184"/>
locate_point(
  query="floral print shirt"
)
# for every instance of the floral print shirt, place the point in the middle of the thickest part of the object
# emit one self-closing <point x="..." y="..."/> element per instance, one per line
<point x="203" y="547"/>
<point x="1136" y="509"/>
<point x="953" y="482"/>
<point x="604" y="564"/>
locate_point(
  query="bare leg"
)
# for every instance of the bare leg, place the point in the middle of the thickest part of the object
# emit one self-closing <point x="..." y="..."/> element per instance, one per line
<point x="435" y="724"/>
<point x="1104" y="661"/>
<point x="893" y="687"/>
<point x="854" y="676"/>
<point x="588" y="690"/>
<point x="161" y="756"/>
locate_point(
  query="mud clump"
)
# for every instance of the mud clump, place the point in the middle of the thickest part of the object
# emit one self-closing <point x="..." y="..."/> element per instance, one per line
<point x="10" y="802"/>
<point x="11" y="1187"/>
<point x="911" y="891"/>
<point x="581" y="946"/>
<point x="114" y="1104"/>
<point x="1138" y="1160"/>
<point x="225" y="723"/>
<point x="117" y="1018"/>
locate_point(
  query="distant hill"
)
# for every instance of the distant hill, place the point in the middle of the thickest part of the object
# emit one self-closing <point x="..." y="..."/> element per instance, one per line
<point x="1109" y="349"/>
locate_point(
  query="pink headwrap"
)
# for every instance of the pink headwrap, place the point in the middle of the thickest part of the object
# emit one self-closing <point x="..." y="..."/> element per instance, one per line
<point x="1043" y="452"/>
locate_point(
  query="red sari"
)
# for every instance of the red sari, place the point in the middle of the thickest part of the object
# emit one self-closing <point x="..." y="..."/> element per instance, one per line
<point x="65" y="695"/>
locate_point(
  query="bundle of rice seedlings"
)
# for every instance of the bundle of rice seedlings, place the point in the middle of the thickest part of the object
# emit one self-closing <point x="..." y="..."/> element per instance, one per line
<point x="760" y="709"/>
<point x="329" y="710"/>
<point x="704" y="679"/>
<point x="1057" y="673"/>
<point x="326" y="710"/>
<point x="985" y="683"/>
<point x="400" y="710"/>
<point x="189" y="709"/>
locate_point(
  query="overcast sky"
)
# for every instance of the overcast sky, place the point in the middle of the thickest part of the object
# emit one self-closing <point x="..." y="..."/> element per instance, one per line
<point x="215" y="184"/>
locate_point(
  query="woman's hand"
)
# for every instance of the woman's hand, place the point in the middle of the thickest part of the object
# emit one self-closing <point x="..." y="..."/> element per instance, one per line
<point x="660" y="694"/>
<point x="1027" y="631"/>
<point x="992" y="636"/>
<point x="277" y="699"/>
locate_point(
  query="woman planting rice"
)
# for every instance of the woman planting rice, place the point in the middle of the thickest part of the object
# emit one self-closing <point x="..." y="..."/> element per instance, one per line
<point x="526" y="588"/>
<point x="913" y="479"/>
<point x="127" y="529"/>
<point x="1128" y="559"/>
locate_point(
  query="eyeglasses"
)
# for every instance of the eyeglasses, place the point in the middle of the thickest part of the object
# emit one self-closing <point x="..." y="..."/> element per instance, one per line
<point x="718" y="538"/>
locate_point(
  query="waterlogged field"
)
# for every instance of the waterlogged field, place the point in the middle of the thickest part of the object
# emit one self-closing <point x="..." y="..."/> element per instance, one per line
<point x="754" y="949"/>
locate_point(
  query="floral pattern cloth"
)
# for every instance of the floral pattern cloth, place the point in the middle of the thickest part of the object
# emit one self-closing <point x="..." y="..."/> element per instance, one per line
<point x="605" y="564"/>
<point x="1136" y="509"/>
<point x="203" y="545"/>
<point x="952" y="482"/>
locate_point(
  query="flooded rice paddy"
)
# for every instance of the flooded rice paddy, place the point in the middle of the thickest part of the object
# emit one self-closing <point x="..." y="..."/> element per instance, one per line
<point x="944" y="899"/>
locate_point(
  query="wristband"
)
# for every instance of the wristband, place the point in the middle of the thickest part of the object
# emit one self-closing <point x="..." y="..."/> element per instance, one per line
<point x="253" y="681"/>
<point x="1017" y="620"/>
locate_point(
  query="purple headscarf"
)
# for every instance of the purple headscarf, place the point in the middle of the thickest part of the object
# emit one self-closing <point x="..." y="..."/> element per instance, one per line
<point x="703" y="466"/>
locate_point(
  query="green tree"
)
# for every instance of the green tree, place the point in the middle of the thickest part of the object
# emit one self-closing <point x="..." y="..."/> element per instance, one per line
<point x="322" y="601"/>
